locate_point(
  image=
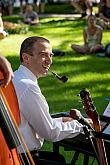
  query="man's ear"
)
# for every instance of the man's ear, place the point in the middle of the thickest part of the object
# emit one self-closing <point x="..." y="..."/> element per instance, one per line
<point x="25" y="57"/>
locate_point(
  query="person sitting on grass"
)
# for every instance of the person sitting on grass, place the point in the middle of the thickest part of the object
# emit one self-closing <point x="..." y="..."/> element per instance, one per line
<point x="30" y="16"/>
<point x="92" y="35"/>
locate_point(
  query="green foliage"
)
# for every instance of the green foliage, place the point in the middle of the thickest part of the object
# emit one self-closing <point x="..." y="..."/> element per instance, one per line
<point x="13" y="18"/>
<point x="59" y="8"/>
<point x="86" y="71"/>
<point x="21" y="29"/>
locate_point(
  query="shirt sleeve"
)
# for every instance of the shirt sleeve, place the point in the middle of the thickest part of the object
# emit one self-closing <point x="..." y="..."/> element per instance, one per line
<point x="35" y="109"/>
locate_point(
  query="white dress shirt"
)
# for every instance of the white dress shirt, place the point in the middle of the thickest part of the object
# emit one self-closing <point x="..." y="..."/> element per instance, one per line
<point x="36" y="122"/>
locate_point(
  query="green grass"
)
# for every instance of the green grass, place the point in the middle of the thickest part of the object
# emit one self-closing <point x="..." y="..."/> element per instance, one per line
<point x="82" y="70"/>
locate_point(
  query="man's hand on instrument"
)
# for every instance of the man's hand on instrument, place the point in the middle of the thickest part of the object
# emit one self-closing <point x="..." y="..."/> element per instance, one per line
<point x="89" y="121"/>
<point x="76" y="114"/>
<point x="6" y="69"/>
<point x="66" y="119"/>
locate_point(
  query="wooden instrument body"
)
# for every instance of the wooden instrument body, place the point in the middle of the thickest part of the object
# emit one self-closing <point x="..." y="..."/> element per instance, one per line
<point x="93" y="114"/>
<point x="8" y="157"/>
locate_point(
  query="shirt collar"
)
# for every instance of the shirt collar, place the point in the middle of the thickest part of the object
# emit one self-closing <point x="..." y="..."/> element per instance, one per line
<point x="28" y="73"/>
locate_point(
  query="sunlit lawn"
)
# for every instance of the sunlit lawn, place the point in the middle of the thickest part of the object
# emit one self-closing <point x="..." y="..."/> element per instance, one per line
<point x="83" y="71"/>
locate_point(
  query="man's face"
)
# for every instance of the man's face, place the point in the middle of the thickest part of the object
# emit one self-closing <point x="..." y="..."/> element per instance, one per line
<point x="29" y="8"/>
<point x="41" y="60"/>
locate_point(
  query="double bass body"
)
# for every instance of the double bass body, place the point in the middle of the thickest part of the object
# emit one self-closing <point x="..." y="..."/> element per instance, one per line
<point x="7" y="156"/>
<point x="9" y="114"/>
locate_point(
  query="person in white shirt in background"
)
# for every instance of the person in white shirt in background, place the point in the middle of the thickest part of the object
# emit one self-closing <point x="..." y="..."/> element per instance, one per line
<point x="36" y="122"/>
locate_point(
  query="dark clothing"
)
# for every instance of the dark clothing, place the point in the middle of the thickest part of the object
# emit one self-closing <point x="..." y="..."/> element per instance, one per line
<point x="46" y="158"/>
<point x="105" y="11"/>
<point x="21" y="1"/>
<point x="32" y="16"/>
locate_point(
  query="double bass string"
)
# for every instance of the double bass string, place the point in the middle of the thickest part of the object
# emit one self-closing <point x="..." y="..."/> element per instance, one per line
<point x="8" y="121"/>
<point x="12" y="126"/>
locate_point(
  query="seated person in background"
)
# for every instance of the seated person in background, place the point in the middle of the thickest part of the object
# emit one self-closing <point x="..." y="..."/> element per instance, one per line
<point x="30" y="16"/>
<point x="77" y="4"/>
<point x="3" y="33"/>
<point x="104" y="14"/>
<point x="92" y="35"/>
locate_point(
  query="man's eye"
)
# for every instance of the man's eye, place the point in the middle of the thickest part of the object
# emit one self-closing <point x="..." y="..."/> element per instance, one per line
<point x="43" y="55"/>
<point x="47" y="55"/>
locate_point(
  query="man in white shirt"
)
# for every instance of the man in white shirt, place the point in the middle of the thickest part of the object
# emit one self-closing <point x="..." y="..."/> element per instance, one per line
<point x="36" y="122"/>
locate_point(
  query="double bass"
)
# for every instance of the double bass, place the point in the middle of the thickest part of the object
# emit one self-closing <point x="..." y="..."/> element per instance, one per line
<point x="10" y="136"/>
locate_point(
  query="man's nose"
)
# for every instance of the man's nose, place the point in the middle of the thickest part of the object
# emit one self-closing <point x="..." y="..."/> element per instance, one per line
<point x="49" y="60"/>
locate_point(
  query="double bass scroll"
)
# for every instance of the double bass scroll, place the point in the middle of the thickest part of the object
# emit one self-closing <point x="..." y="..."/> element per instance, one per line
<point x="93" y="114"/>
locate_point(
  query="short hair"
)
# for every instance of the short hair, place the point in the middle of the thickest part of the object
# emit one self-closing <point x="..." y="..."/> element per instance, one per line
<point x="28" y="45"/>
